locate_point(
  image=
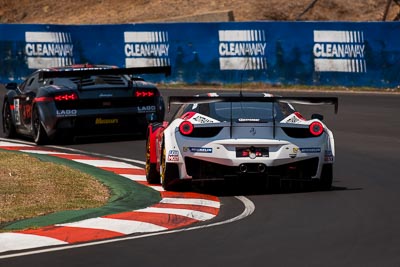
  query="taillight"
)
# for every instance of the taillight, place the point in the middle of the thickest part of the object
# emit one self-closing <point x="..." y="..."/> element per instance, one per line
<point x="186" y="128"/>
<point x="316" y="128"/>
<point x="66" y="97"/>
<point x="144" y="93"/>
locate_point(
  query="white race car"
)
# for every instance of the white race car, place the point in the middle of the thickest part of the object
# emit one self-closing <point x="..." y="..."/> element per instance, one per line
<point x="225" y="135"/>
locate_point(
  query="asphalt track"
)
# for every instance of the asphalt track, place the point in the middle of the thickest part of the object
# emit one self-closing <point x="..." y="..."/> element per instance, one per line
<point x="355" y="224"/>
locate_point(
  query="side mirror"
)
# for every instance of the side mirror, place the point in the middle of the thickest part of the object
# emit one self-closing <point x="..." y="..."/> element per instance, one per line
<point x="317" y="116"/>
<point x="11" y="86"/>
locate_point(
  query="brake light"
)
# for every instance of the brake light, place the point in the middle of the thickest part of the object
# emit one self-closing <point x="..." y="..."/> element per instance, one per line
<point x="66" y="97"/>
<point x="316" y="128"/>
<point x="144" y="94"/>
<point x="186" y="128"/>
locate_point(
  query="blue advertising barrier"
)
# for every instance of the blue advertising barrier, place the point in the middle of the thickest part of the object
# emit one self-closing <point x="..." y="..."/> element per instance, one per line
<point x="308" y="53"/>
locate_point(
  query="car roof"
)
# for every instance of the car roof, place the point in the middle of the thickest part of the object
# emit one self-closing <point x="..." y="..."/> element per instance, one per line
<point x="235" y="94"/>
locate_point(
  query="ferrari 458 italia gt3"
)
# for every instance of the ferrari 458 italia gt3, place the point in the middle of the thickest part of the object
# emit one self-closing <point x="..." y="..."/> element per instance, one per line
<point x="226" y="135"/>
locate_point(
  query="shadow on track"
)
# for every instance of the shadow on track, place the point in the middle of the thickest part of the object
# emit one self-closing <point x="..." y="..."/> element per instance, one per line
<point x="235" y="187"/>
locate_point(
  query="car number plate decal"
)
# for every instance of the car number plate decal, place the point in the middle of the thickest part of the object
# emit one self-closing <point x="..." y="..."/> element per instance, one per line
<point x="252" y="152"/>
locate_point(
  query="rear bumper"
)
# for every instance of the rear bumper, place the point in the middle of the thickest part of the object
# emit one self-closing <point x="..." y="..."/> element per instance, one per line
<point x="289" y="159"/>
<point x="102" y="125"/>
<point x="297" y="170"/>
<point x="98" y="123"/>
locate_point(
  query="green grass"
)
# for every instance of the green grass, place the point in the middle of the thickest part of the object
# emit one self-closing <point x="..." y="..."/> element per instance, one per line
<point x="30" y="187"/>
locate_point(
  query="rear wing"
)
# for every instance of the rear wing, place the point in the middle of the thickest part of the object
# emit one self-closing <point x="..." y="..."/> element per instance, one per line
<point x="272" y="99"/>
<point x="82" y="72"/>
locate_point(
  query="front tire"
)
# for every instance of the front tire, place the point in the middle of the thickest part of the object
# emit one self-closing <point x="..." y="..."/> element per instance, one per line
<point x="38" y="131"/>
<point x="8" y="126"/>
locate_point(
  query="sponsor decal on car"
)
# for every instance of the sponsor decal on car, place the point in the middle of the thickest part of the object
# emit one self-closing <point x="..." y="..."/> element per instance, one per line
<point x="248" y="120"/>
<point x="48" y="49"/>
<point x="198" y="149"/>
<point x="310" y="150"/>
<point x="145" y="109"/>
<point x="292" y="118"/>
<point x="146" y="49"/>
<point x="203" y="119"/>
<point x="105" y="95"/>
<point x="328" y="156"/>
<point x="173" y="155"/>
<point x="106" y="121"/>
<point x="242" y="49"/>
<point x="66" y="113"/>
<point x="339" y="51"/>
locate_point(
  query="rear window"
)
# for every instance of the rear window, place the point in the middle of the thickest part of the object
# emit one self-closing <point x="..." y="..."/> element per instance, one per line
<point x="225" y="111"/>
<point x="240" y="111"/>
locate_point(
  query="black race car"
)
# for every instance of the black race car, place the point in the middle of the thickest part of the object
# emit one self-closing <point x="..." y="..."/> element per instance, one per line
<point x="82" y="100"/>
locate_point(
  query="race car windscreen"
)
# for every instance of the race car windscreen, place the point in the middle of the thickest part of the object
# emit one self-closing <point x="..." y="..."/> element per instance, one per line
<point x="242" y="111"/>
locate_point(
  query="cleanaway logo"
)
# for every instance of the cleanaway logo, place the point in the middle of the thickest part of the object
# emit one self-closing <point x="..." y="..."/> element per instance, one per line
<point x="339" y="51"/>
<point x="242" y="50"/>
<point x="146" y="49"/>
<point x="48" y="49"/>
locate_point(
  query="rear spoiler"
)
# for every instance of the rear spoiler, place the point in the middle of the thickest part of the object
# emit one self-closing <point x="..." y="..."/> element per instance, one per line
<point x="82" y="72"/>
<point x="271" y="99"/>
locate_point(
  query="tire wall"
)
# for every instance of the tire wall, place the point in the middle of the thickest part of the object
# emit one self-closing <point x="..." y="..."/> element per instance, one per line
<point x="289" y="53"/>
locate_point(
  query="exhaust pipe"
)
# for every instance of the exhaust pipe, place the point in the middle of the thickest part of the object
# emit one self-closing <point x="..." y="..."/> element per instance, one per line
<point x="261" y="168"/>
<point x="243" y="168"/>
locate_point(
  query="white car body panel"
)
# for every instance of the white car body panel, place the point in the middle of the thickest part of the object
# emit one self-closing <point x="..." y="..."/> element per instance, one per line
<point x="221" y="149"/>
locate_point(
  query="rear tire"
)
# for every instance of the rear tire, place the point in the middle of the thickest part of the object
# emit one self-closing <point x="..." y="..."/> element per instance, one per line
<point x="8" y="126"/>
<point x="38" y="131"/>
<point x="152" y="175"/>
<point x="325" y="182"/>
<point x="169" y="173"/>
